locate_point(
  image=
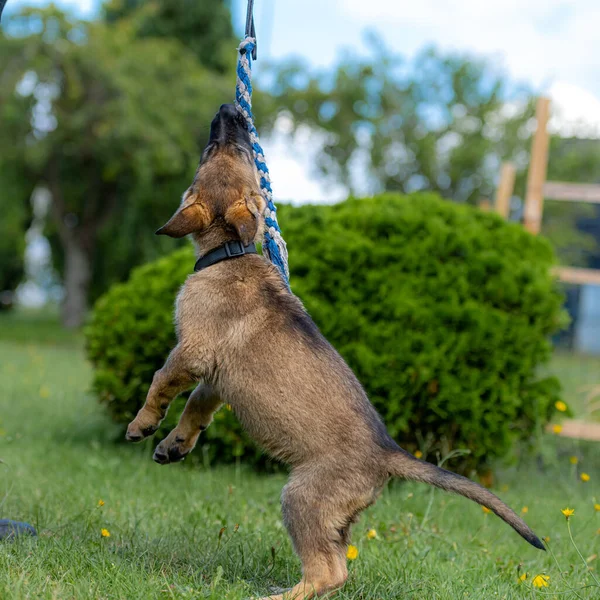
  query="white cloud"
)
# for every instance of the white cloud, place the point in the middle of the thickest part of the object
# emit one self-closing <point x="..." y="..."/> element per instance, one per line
<point x="575" y="111"/>
<point x="540" y="41"/>
<point x="291" y="166"/>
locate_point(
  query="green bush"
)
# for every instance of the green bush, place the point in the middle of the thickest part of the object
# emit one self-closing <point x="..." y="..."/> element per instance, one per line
<point x="443" y="312"/>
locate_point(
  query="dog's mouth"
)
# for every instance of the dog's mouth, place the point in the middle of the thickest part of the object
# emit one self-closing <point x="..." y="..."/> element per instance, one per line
<point x="228" y="131"/>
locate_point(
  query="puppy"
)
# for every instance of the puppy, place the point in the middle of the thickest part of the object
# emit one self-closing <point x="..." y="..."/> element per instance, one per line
<point x="299" y="400"/>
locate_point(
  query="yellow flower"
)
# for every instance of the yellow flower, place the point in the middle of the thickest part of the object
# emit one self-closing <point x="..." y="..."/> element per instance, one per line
<point x="597" y="507"/>
<point x="486" y="510"/>
<point x="573" y="460"/>
<point x="556" y="429"/>
<point x="372" y="534"/>
<point x="584" y="477"/>
<point x="352" y="553"/>
<point x="44" y="392"/>
<point x="560" y="405"/>
<point x="228" y="406"/>
<point x="546" y="539"/>
<point x="105" y="533"/>
<point x="522" y="577"/>
<point x="541" y="581"/>
<point x="568" y="512"/>
<point x="418" y="454"/>
<point x="525" y="510"/>
<point x="100" y="502"/>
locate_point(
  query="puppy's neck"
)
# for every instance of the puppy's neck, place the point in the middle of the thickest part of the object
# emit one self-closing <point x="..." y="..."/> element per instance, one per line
<point x="215" y="236"/>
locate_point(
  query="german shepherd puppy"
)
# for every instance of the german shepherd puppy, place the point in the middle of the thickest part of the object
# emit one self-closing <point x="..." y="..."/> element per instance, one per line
<point x="299" y="400"/>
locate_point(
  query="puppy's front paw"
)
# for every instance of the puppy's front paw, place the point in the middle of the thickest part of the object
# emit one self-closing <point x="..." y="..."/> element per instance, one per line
<point x="137" y="431"/>
<point x="174" y="448"/>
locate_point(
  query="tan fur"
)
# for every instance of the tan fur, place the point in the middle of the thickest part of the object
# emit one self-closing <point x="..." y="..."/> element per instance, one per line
<point x="245" y="339"/>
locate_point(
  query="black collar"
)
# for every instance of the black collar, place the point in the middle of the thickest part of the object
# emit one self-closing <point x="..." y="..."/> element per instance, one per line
<point x="227" y="250"/>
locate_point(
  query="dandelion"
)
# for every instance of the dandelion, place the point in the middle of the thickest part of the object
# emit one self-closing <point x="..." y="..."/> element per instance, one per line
<point x="584" y="477"/>
<point x="100" y="502"/>
<point x="418" y="454"/>
<point x="44" y="392"/>
<point x="541" y="581"/>
<point x="597" y="507"/>
<point x="573" y="460"/>
<point x="546" y="539"/>
<point x="352" y="553"/>
<point x="105" y="533"/>
<point x="568" y="512"/>
<point x="556" y="429"/>
<point x="228" y="406"/>
<point x="560" y="405"/>
<point x="486" y="510"/>
<point x="371" y="534"/>
<point x="525" y="510"/>
<point x="522" y="577"/>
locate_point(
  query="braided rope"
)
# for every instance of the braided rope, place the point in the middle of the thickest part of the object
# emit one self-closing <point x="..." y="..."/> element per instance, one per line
<point x="274" y="246"/>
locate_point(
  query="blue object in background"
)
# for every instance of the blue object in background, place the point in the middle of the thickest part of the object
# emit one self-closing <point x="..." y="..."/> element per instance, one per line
<point x="587" y="331"/>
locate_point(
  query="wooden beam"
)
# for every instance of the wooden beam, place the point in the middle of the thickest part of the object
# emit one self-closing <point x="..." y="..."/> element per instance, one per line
<point x="505" y="189"/>
<point x="534" y="198"/>
<point x="579" y="430"/>
<point x="485" y="205"/>
<point x="577" y="275"/>
<point x="572" y="192"/>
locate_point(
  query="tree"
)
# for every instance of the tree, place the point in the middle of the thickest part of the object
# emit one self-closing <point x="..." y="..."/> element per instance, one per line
<point x="203" y="27"/>
<point x="111" y="124"/>
<point x="14" y="193"/>
<point x="439" y="122"/>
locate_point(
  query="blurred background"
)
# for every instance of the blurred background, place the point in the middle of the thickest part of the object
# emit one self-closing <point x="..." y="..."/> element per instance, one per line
<point x="105" y="108"/>
<point x="436" y="166"/>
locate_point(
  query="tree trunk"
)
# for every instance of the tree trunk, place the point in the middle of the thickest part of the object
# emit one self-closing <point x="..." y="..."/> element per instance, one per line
<point x="77" y="278"/>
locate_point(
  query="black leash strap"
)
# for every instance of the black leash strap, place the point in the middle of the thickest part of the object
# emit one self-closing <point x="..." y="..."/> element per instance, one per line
<point x="3" y="2"/>
<point x="250" y="31"/>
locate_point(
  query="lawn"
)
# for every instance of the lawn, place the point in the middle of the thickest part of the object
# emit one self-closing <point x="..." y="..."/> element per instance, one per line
<point x="181" y="532"/>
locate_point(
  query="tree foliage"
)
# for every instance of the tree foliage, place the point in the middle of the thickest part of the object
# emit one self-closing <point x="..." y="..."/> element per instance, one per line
<point x="438" y="122"/>
<point x="111" y="123"/>
<point x="202" y="27"/>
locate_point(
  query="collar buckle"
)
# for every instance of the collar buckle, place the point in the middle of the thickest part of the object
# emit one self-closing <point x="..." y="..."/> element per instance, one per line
<point x="234" y="248"/>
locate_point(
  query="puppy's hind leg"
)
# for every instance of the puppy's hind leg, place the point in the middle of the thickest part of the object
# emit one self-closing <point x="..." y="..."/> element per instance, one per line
<point x="174" y="378"/>
<point x="319" y="533"/>
<point x="196" y="417"/>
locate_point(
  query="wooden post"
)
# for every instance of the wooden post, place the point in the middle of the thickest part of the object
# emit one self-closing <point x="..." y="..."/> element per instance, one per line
<point x="505" y="189"/>
<point x="534" y="198"/>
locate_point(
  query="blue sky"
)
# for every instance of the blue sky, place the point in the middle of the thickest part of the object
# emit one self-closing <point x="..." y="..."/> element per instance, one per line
<point x="551" y="45"/>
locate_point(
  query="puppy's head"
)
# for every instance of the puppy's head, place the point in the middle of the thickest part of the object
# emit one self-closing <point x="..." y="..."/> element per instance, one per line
<point x="225" y="194"/>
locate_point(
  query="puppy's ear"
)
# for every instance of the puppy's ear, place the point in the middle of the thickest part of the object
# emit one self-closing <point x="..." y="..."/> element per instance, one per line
<point x="245" y="216"/>
<point x="192" y="215"/>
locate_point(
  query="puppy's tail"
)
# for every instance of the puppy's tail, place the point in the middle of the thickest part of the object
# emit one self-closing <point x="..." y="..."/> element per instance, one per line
<point x="405" y="465"/>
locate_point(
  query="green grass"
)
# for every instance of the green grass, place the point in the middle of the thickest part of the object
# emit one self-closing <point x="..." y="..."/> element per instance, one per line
<point x="579" y="375"/>
<point x="167" y="523"/>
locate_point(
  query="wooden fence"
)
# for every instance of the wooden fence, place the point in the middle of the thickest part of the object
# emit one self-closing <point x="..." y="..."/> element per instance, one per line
<point x="539" y="189"/>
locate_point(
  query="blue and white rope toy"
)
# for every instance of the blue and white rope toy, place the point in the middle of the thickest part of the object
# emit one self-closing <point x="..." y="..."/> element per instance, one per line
<point x="274" y="247"/>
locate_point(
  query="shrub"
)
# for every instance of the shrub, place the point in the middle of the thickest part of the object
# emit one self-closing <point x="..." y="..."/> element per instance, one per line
<point x="443" y="312"/>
